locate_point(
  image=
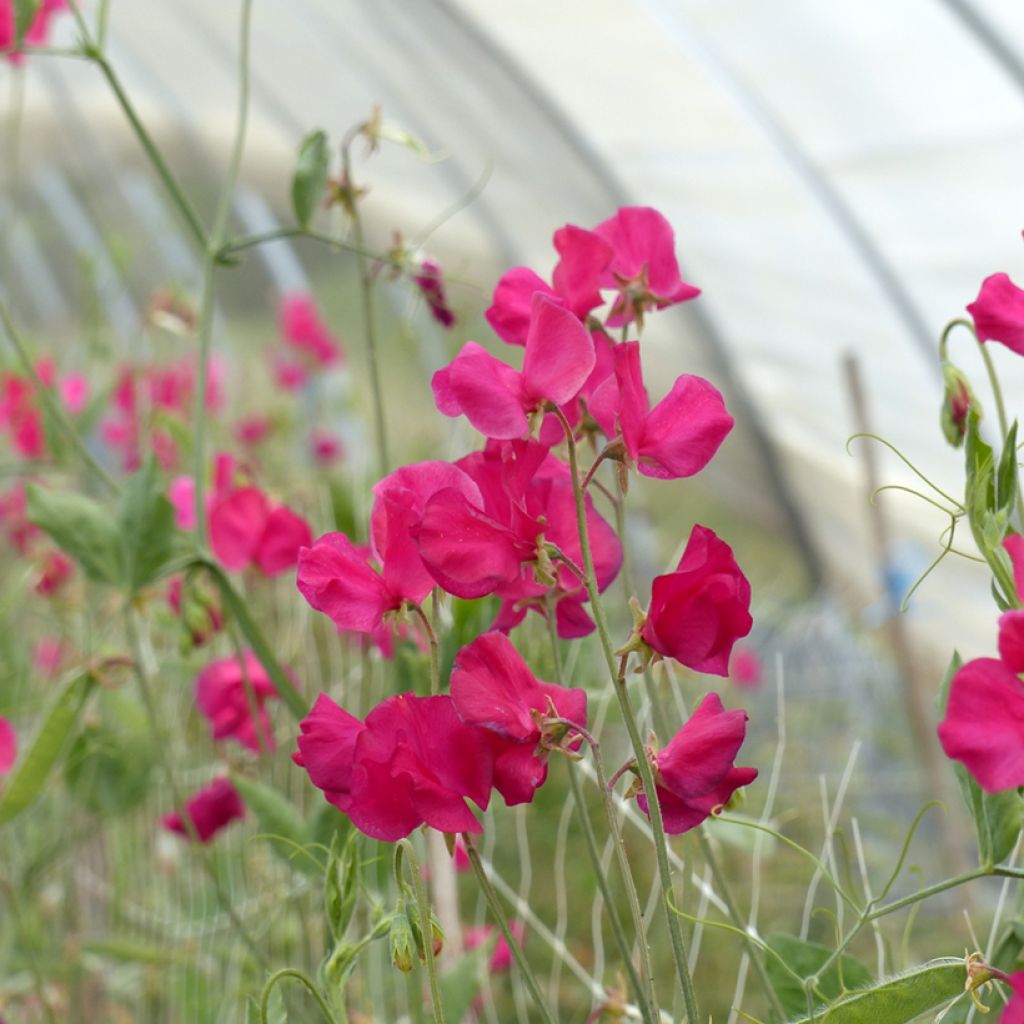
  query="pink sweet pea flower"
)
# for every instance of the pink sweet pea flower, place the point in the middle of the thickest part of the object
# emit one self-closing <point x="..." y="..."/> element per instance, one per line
<point x="253" y="429"/>
<point x="37" y="32"/>
<point x="412" y="762"/>
<point x="644" y="268"/>
<point x="998" y="312"/>
<point x="431" y="285"/>
<point x="289" y="374"/>
<point x="211" y="809"/>
<point x="694" y="775"/>
<point x="460" y="858"/>
<point x="1013" y="1012"/>
<point x="325" y="447"/>
<point x="745" y="668"/>
<point x="498" y="400"/>
<point x="305" y="332"/>
<point x="74" y="392"/>
<point x="501" y="958"/>
<point x="8" y="746"/>
<point x="492" y="687"/>
<point x="54" y="572"/>
<point x="984" y="723"/>
<point x="47" y="656"/>
<point x="228" y="692"/>
<point x="702" y="608"/>
<point x="246" y="528"/>
<point x="679" y="436"/>
<point x="21" y="416"/>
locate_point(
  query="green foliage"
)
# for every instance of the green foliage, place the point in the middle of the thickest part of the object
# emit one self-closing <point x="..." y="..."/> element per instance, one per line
<point x="341" y="886"/>
<point x="109" y="765"/>
<point x="145" y="523"/>
<point x="81" y="527"/>
<point x="806" y="959"/>
<point x="281" y="822"/>
<point x="277" y="1013"/>
<point x="461" y="985"/>
<point x="998" y="817"/>
<point x="897" y="1000"/>
<point x="24" y="14"/>
<point x="310" y="180"/>
<point x="45" y="750"/>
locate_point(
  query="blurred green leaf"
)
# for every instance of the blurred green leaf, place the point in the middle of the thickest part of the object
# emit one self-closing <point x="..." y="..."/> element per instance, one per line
<point x="276" y="1010"/>
<point x="310" y="180"/>
<point x="50" y="741"/>
<point x="897" y="1000"/>
<point x="81" y="527"/>
<point x="146" y="526"/>
<point x="461" y="985"/>
<point x="24" y="14"/>
<point x="277" y="816"/>
<point x="806" y="959"/>
<point x="341" y="884"/>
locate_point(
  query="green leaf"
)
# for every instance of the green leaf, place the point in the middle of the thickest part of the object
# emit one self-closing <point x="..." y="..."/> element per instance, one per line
<point x="896" y="1000"/>
<point x="341" y="884"/>
<point x="146" y="526"/>
<point x="276" y="815"/>
<point x="1006" y="473"/>
<point x="998" y="817"/>
<point x="50" y="741"/>
<point x="24" y="14"/>
<point x="109" y="765"/>
<point x="461" y="985"/>
<point x="806" y="959"/>
<point x="237" y="608"/>
<point x="276" y="1011"/>
<point x="310" y="180"/>
<point x="81" y="527"/>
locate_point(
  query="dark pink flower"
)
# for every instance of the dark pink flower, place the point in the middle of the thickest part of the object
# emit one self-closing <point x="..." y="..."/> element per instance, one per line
<point x="231" y="694"/>
<point x="305" y="332"/>
<point x="699" y="611"/>
<point x="679" y="436"/>
<point x="289" y="374"/>
<point x="74" y="392"/>
<point x="745" y="668"/>
<point x="501" y="957"/>
<point x="253" y="429"/>
<point x="37" y="32"/>
<point x="998" y="312"/>
<point x="8" y="746"/>
<point x="492" y="688"/>
<point x="460" y="858"/>
<point x="431" y="285"/>
<point x="210" y="810"/>
<point x="984" y="723"/>
<point x="47" y="656"/>
<point x="413" y="761"/>
<point x="1013" y="1012"/>
<point x="20" y="414"/>
<point x="498" y="400"/>
<point x="695" y="775"/>
<point x="56" y="569"/>
<point x="325" y="447"/>
<point x="14" y="516"/>
<point x="644" y="268"/>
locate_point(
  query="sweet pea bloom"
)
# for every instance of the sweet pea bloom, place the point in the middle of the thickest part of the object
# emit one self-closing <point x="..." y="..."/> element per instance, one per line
<point x="8" y="746"/>
<point x="37" y="32"/>
<point x="492" y="687"/>
<point x="231" y="694"/>
<point x="211" y="809"/>
<point x="55" y="570"/>
<point x="500" y="401"/>
<point x="695" y="775"/>
<point x="1013" y="1012"/>
<point x="413" y="761"/>
<point x="998" y="312"/>
<point x="679" y="436"/>
<point x="431" y="285"/>
<point x="501" y="957"/>
<point x="699" y="611"/>
<point x="304" y="331"/>
<point x="745" y="668"/>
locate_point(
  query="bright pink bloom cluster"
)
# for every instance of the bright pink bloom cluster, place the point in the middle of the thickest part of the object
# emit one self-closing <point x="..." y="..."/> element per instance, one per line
<point x="309" y="343"/>
<point x="998" y="312"/>
<point x="417" y="760"/>
<point x="21" y="413"/>
<point x="699" y="611"/>
<point x="37" y="32"/>
<point x="231" y="693"/>
<point x="8" y="746"/>
<point x="695" y="775"/>
<point x="984" y="722"/>
<point x="214" y="807"/>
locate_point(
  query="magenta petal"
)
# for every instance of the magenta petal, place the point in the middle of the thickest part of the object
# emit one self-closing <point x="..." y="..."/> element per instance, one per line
<point x="8" y="746"/>
<point x="335" y="578"/>
<point x="577" y="276"/>
<point x="467" y="552"/>
<point x="984" y="724"/>
<point x="488" y="392"/>
<point x="702" y="752"/>
<point x="381" y="805"/>
<point x="509" y="313"/>
<point x="492" y="687"/>
<point x="559" y="354"/>
<point x="1014" y="545"/>
<point x="684" y="430"/>
<point x="632" y="406"/>
<point x="1011" y="640"/>
<point x="237" y="522"/>
<point x="572" y="620"/>
<point x="210" y="810"/>
<point x="284" y="534"/>
<point x="327" y="744"/>
<point x="518" y="772"/>
<point x="998" y="312"/>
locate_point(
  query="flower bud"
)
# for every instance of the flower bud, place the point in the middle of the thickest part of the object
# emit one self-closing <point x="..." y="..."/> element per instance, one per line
<point x="957" y="401"/>
<point x="436" y="932"/>
<point x="403" y="943"/>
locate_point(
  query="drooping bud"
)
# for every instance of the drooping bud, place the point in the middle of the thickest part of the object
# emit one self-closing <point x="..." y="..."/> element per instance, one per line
<point x="957" y="400"/>
<point x="403" y="942"/>
<point x="436" y="932"/>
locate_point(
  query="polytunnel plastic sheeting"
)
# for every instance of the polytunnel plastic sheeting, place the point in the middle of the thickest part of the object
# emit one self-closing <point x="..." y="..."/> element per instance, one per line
<point x="840" y="179"/>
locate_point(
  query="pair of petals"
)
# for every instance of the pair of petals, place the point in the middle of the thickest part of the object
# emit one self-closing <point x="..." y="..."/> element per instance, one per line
<point x="246" y="528"/>
<point x="998" y="312"/>
<point x="210" y="810"/>
<point x="231" y="693"/>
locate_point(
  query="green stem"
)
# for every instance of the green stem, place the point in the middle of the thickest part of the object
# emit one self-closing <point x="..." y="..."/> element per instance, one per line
<point x="643" y="765"/>
<point x="369" y="323"/>
<point x="161" y="747"/>
<point x="292" y="972"/>
<point x="499" y="915"/>
<point x="52" y="405"/>
<point x="435" y="651"/>
<point x="210" y="249"/>
<point x="38" y="981"/>
<point x="426" y="927"/>
<point x="240" y="244"/>
<point x="643" y="981"/>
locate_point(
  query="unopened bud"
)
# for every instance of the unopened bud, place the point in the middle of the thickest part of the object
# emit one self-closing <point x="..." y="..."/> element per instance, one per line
<point x="436" y="932"/>
<point x="403" y="943"/>
<point x="957" y="401"/>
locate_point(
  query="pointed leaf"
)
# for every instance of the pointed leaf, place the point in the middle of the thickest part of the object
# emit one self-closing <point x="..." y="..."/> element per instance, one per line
<point x="806" y="959"/>
<point x="146" y="521"/>
<point x="277" y="816"/>
<point x="82" y="528"/>
<point x="310" y="180"/>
